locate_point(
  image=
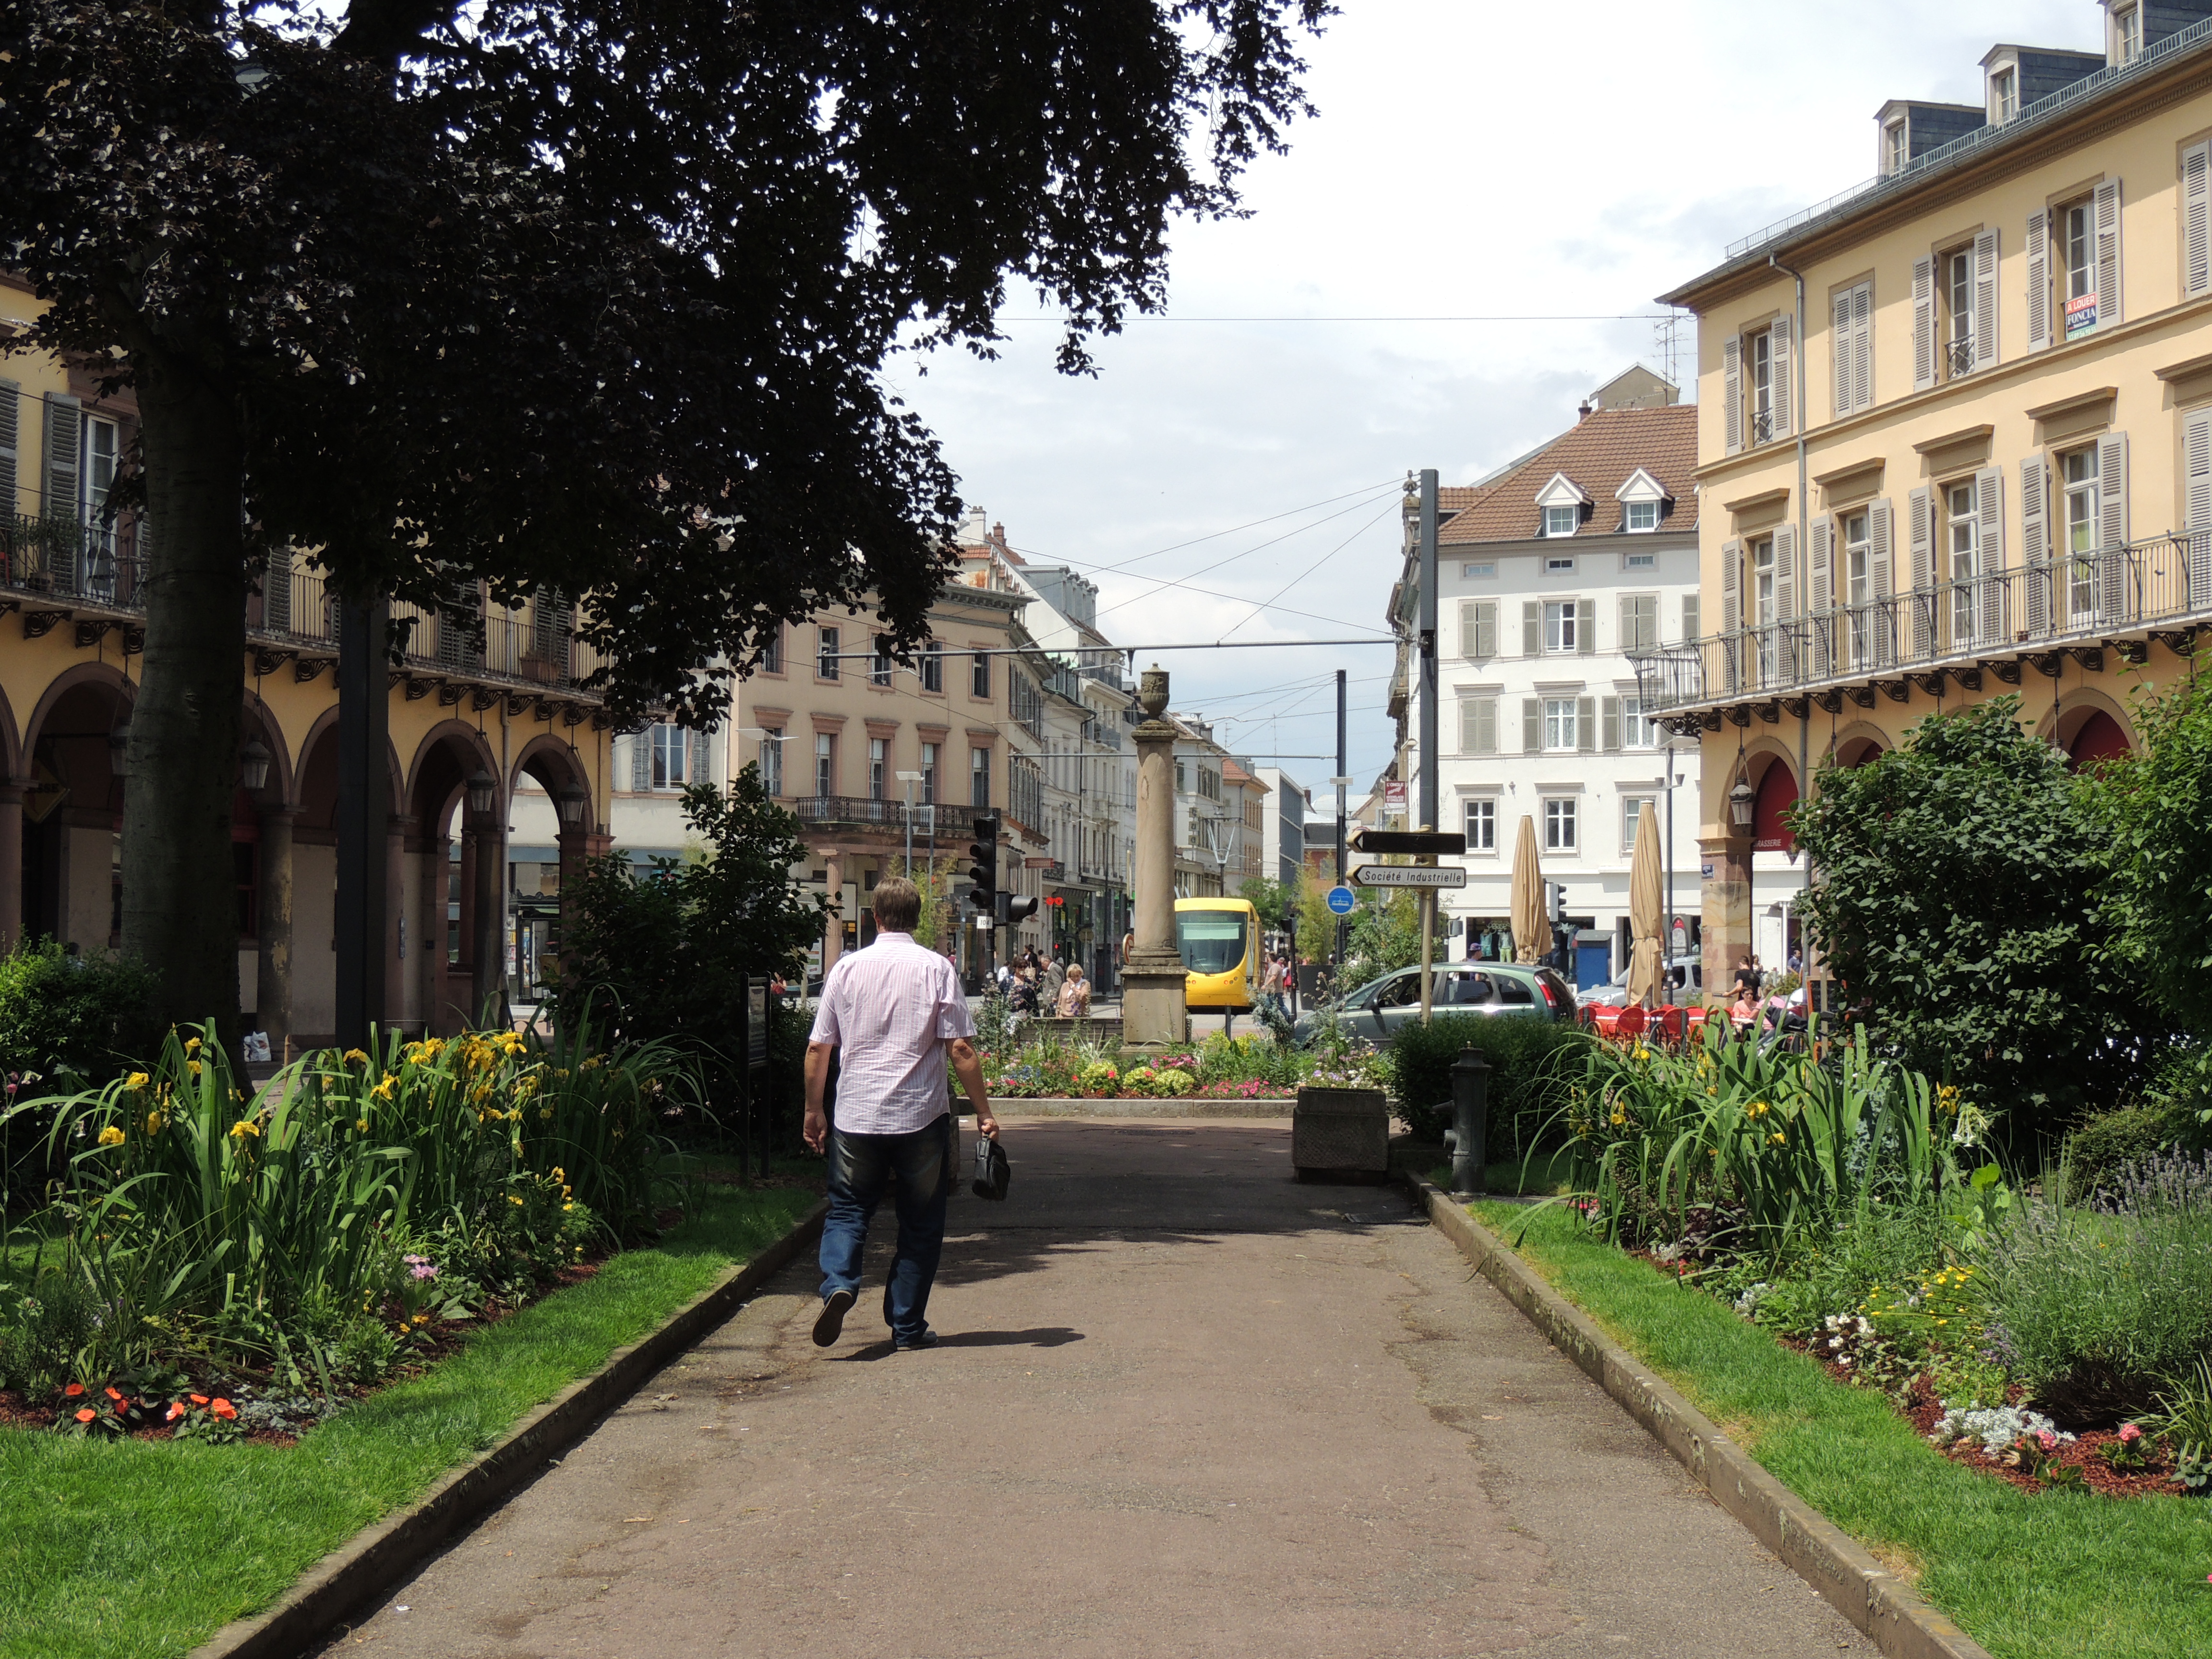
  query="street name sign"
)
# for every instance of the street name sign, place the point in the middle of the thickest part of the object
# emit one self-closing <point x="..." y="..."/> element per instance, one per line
<point x="1343" y="900"/>
<point x="1434" y="843"/>
<point x="1409" y="875"/>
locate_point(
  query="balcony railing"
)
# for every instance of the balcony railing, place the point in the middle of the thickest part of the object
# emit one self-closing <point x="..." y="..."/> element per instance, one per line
<point x="534" y="646"/>
<point x="2075" y="599"/>
<point x="946" y="822"/>
<point x="59" y="557"/>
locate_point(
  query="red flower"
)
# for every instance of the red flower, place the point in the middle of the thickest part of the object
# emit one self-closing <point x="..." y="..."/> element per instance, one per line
<point x="199" y="1399"/>
<point x="223" y="1409"/>
<point x="74" y="1389"/>
<point x="86" y="1415"/>
<point x="176" y="1411"/>
<point x="116" y="1397"/>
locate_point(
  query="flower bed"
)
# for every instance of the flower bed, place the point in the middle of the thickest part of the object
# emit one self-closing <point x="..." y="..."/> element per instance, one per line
<point x="1250" y="1066"/>
<point x="342" y="1229"/>
<point x="1839" y="1202"/>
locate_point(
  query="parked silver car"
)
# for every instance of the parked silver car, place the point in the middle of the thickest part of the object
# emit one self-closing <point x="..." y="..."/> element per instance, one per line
<point x="1380" y="1009"/>
<point x="1614" y="993"/>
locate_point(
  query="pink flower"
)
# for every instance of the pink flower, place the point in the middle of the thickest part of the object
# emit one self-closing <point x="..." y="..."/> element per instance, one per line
<point x="2046" y="1439"/>
<point x="2129" y="1434"/>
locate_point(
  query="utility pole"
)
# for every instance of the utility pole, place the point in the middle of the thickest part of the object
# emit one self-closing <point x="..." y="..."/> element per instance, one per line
<point x="1428" y="644"/>
<point x="1343" y="782"/>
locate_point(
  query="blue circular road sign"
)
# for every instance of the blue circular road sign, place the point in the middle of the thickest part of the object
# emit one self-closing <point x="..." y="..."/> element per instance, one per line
<point x="1343" y="901"/>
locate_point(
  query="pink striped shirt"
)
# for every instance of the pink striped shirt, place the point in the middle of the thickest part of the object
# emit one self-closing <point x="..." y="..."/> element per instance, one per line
<point x="891" y="1009"/>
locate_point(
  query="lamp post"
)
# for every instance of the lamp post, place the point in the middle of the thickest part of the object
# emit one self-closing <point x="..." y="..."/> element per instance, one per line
<point x="253" y="765"/>
<point x="910" y="779"/>
<point x="1743" y="807"/>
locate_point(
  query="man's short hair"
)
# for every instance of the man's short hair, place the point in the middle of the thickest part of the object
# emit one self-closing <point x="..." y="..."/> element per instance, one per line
<point x="898" y="905"/>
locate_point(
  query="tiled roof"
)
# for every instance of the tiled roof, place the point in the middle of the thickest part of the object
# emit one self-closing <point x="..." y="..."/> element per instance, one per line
<point x="1599" y="453"/>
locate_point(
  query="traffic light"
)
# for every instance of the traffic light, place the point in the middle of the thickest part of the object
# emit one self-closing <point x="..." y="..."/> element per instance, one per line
<point x="1559" y="901"/>
<point x="1013" y="911"/>
<point x="984" y="872"/>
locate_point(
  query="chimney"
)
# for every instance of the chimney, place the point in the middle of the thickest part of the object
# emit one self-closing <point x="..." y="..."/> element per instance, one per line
<point x="1581" y="413"/>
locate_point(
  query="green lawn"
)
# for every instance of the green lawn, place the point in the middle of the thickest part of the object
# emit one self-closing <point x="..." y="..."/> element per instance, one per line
<point x="138" y="1549"/>
<point x="2029" y="1576"/>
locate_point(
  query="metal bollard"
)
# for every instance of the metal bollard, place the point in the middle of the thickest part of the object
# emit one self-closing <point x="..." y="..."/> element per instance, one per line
<point x="1468" y="1137"/>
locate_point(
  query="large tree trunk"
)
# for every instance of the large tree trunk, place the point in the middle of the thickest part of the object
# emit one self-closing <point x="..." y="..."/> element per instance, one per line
<point x="179" y="899"/>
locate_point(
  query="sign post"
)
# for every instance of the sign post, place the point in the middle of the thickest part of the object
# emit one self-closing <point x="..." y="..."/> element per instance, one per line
<point x="1425" y="845"/>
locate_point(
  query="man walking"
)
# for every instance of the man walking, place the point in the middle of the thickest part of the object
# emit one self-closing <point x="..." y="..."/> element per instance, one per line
<point x="893" y="1013"/>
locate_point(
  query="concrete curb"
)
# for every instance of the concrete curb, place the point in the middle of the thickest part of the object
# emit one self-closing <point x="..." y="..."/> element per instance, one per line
<point x="380" y="1556"/>
<point x="1893" y="1615"/>
<point x="1005" y="1106"/>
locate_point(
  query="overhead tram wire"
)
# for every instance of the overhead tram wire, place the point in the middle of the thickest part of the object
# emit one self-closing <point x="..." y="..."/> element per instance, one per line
<point x="1214" y="535"/>
<point x="1554" y="316"/>
<point x="1387" y="507"/>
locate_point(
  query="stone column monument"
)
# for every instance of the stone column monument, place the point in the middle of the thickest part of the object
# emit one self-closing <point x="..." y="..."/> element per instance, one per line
<point x="1153" y="1012"/>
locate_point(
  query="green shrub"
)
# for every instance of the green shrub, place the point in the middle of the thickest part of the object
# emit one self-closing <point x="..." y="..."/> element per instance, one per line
<point x="44" y="1323"/>
<point x="2108" y="1142"/>
<point x="1535" y="1065"/>
<point x="77" y="1014"/>
<point x="2098" y="1310"/>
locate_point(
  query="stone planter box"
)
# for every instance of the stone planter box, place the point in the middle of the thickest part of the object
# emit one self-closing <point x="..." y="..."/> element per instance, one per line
<point x="1340" y="1132"/>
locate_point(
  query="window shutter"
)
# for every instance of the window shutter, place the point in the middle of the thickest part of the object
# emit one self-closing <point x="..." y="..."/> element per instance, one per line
<point x="2196" y="473"/>
<point x="2112" y="520"/>
<point x="1985" y="299"/>
<point x="61" y="482"/>
<point x="702" y="759"/>
<point x="1732" y="391"/>
<point x="1467" y="726"/>
<point x="1989" y="536"/>
<point x="1486" y="725"/>
<point x="1862" y="346"/>
<point x="1585" y="626"/>
<point x="276" y="591"/>
<point x="1820" y="592"/>
<point x="1586" y="724"/>
<point x="1467" y="628"/>
<point x="1923" y="324"/>
<point x="2038" y="280"/>
<point x="1881" y="578"/>
<point x="2107" y="209"/>
<point x="1532" y="726"/>
<point x="1531" y="628"/>
<point x="1779" y="337"/>
<point x="2035" y="547"/>
<point x="8" y="439"/>
<point x="640" y="760"/>
<point x="1731" y="611"/>
<point x="1689" y="617"/>
<point x="1486" y="629"/>
<point x="1785" y="572"/>
<point x="1841" y="352"/>
<point x="1610" y="738"/>
<point x="2196" y="231"/>
<point x="1923" y="569"/>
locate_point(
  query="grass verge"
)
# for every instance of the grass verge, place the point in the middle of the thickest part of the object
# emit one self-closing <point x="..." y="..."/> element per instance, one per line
<point x="133" y="1549"/>
<point x="2029" y="1575"/>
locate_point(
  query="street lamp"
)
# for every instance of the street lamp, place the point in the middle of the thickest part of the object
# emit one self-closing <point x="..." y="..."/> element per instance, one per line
<point x="910" y="779"/>
<point x="1742" y="800"/>
<point x="570" y="803"/>
<point x="254" y="764"/>
<point x="481" y="786"/>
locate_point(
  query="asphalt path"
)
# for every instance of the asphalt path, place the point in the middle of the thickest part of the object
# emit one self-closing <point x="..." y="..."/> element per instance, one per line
<point x="1185" y="1405"/>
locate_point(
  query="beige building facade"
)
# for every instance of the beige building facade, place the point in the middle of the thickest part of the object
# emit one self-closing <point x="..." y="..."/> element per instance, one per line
<point x="1955" y="440"/>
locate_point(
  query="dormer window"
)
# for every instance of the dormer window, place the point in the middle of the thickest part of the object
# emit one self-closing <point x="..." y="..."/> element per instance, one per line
<point x="2127" y="35"/>
<point x="1895" y="148"/>
<point x="1563" y="505"/>
<point x="2004" y="95"/>
<point x="1642" y="503"/>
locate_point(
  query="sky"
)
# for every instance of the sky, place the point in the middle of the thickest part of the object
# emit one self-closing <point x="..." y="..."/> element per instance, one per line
<point x="1466" y="161"/>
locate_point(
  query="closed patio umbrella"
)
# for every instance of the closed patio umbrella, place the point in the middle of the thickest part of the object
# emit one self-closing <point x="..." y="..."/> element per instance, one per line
<point x="1532" y="925"/>
<point x="1644" y="903"/>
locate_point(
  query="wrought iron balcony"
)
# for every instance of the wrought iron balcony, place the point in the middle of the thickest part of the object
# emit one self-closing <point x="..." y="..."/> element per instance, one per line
<point x="863" y="812"/>
<point x="59" y="557"/>
<point x="2118" y="598"/>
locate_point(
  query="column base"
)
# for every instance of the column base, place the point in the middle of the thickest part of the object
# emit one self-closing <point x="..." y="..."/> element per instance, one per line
<point x="1153" y="1012"/>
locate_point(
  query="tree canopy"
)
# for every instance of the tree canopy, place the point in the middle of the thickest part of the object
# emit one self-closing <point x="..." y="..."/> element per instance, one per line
<point x="592" y="295"/>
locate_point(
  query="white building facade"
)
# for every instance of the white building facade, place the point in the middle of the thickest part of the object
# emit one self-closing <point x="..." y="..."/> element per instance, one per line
<point x="1550" y="574"/>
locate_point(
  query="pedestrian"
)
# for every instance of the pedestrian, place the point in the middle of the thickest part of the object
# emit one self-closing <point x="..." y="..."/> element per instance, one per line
<point x="1797" y="959"/>
<point x="1746" y="976"/>
<point x="1024" y="997"/>
<point x="1056" y="975"/>
<point x="893" y="1015"/>
<point x="1075" y="994"/>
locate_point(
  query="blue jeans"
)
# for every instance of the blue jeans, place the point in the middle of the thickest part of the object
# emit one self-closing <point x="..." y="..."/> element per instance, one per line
<point x="860" y="1166"/>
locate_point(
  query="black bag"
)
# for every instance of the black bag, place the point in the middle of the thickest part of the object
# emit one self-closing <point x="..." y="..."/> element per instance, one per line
<point x="991" y="1172"/>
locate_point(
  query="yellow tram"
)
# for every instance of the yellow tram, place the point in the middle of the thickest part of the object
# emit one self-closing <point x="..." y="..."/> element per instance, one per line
<point x="1218" y="941"/>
